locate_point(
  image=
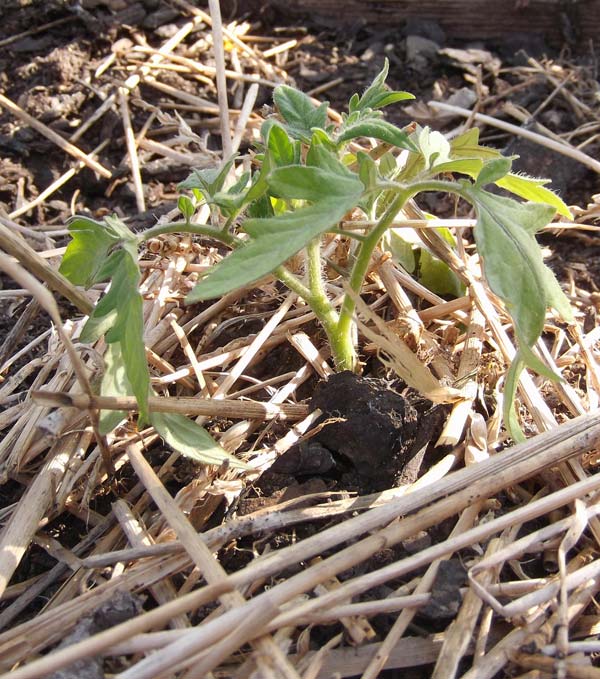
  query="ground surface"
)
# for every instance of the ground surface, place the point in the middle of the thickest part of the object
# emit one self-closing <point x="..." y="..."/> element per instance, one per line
<point x="50" y="75"/>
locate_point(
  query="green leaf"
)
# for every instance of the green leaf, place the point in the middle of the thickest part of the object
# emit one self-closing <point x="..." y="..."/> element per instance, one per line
<point x="469" y="166"/>
<point x="260" y="208"/>
<point x="191" y="440"/>
<point x="90" y="244"/>
<point x="378" y="129"/>
<point x="493" y="170"/>
<point x="298" y="111"/>
<point x="114" y="383"/>
<point x="434" y="147"/>
<point x="273" y="241"/>
<point x="186" y="207"/>
<point x="467" y="146"/>
<point x="512" y="259"/>
<point x="511" y="382"/>
<point x="232" y="200"/>
<point x="523" y="358"/>
<point x="284" y="151"/>
<point x="319" y="155"/>
<point x="535" y="363"/>
<point x="118" y="315"/>
<point x="313" y="183"/>
<point x="437" y="276"/>
<point x="208" y="181"/>
<point x="534" y="190"/>
<point x="120" y="229"/>
<point x="367" y="171"/>
<point x="403" y="252"/>
<point x="388" y="165"/>
<point x="377" y="95"/>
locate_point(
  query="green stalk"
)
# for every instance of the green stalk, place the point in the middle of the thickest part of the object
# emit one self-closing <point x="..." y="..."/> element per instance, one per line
<point x="341" y="348"/>
<point x="343" y="331"/>
<point x="314" y="293"/>
<point x="188" y="227"/>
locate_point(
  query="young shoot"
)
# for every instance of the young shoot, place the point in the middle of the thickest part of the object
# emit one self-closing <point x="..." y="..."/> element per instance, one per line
<point x="307" y="182"/>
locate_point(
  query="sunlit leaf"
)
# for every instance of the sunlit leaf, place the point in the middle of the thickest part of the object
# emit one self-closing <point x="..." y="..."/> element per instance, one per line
<point x="313" y="183"/>
<point x="377" y="95"/>
<point x="469" y="166"/>
<point x="186" y="207"/>
<point x="273" y="241"/>
<point x="377" y="129"/>
<point x="118" y="316"/>
<point x="298" y="111"/>
<point x="388" y="165"/>
<point x="434" y="147"/>
<point x="534" y="190"/>
<point x="467" y="146"/>
<point x="284" y="151"/>
<point x="512" y="259"/>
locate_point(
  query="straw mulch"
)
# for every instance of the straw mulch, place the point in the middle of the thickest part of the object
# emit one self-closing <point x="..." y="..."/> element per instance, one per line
<point x="327" y="583"/>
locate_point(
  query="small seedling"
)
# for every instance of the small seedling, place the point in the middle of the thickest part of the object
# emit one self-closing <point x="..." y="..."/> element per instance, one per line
<point x="309" y="177"/>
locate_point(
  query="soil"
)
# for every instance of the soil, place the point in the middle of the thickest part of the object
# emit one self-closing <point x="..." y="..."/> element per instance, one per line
<point x="49" y="73"/>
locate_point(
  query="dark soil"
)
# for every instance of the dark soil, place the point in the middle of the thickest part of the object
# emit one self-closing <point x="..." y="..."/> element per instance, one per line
<point x="375" y="437"/>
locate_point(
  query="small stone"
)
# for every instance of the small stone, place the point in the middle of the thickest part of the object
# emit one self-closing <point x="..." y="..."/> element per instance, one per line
<point x="420" y="50"/>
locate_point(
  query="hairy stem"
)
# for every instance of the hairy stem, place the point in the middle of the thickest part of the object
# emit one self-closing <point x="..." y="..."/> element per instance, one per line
<point x="187" y="227"/>
<point x="368" y="245"/>
<point x="342" y="348"/>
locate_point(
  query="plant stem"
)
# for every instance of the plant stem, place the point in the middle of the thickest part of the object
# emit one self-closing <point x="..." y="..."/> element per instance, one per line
<point x="366" y="248"/>
<point x="293" y="283"/>
<point x="186" y="227"/>
<point x="341" y="345"/>
<point x="361" y="264"/>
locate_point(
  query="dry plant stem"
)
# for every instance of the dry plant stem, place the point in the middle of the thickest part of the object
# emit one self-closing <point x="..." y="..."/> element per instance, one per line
<point x="245" y="112"/>
<point x="468" y="485"/>
<point x="378" y="662"/>
<point x="10" y="557"/>
<point x="219" y="53"/>
<point x="573" y="153"/>
<point x="41" y="239"/>
<point x="469" y="365"/>
<point x="458" y="635"/>
<point x="201" y="555"/>
<point x="24" y="521"/>
<point x="13" y="338"/>
<point x="549" y="666"/>
<point x="144" y="643"/>
<point x="205" y="636"/>
<point x="539" y="629"/>
<point x="232" y="37"/>
<point x="208" y="70"/>
<point x="253" y="349"/>
<point x="134" y="80"/>
<point x="38" y="266"/>
<point x="45" y="131"/>
<point x="37" y="29"/>
<point x="137" y="535"/>
<point x="55" y="185"/>
<point x="46" y="580"/>
<point x="134" y="163"/>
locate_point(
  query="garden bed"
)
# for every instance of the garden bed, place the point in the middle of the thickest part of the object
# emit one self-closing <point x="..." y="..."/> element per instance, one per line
<point x="375" y="532"/>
